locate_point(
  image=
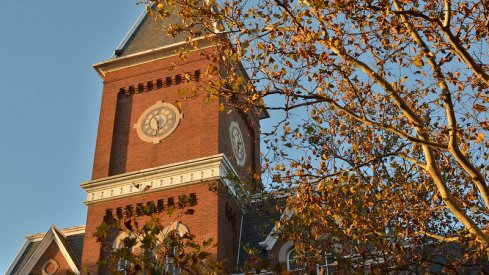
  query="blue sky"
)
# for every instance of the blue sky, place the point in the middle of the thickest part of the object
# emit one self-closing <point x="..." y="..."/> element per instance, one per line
<point x="49" y="107"/>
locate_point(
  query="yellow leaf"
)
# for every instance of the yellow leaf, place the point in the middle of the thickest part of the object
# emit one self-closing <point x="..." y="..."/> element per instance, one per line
<point x="178" y="103"/>
<point x="286" y="129"/>
<point x="418" y="61"/>
<point x="187" y="76"/>
<point x="480" y="137"/>
<point x="211" y="69"/>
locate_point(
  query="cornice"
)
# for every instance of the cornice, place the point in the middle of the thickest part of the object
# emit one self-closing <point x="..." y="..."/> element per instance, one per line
<point x="216" y="167"/>
<point x="118" y="63"/>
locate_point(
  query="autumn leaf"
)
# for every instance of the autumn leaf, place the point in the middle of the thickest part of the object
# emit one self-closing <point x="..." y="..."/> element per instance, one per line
<point x="418" y="61"/>
<point x="480" y="137"/>
<point x="286" y="129"/>
<point x="479" y="108"/>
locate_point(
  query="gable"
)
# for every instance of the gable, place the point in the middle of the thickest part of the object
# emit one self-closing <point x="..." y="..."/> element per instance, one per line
<point x="55" y="249"/>
<point x="52" y="260"/>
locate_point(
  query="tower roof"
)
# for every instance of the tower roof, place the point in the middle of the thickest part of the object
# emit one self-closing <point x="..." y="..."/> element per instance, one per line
<point x="147" y="33"/>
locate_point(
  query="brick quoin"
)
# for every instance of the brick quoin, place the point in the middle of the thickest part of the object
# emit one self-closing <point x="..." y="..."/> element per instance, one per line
<point x="203" y="132"/>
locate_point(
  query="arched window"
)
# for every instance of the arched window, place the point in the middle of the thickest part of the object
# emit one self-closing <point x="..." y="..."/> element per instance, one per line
<point x="170" y="237"/>
<point x="291" y="260"/>
<point x="122" y="264"/>
<point x="284" y="250"/>
<point x="168" y="241"/>
<point x="288" y="257"/>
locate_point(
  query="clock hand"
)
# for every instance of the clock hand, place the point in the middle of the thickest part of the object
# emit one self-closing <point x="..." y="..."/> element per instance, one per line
<point x="157" y="125"/>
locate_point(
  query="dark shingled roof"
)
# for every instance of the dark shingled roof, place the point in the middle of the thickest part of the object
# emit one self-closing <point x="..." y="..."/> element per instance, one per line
<point x="258" y="222"/>
<point x="151" y="34"/>
<point x="76" y="244"/>
<point x="31" y="247"/>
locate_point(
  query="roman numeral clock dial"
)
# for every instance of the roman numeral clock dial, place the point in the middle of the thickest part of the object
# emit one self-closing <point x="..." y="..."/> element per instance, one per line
<point x="158" y="122"/>
<point x="237" y="143"/>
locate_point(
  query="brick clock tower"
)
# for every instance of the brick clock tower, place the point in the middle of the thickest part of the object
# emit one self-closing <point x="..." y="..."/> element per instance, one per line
<point x="147" y="141"/>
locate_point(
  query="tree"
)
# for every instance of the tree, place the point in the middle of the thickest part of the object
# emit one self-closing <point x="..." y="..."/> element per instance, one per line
<point x="146" y="244"/>
<point x="383" y="117"/>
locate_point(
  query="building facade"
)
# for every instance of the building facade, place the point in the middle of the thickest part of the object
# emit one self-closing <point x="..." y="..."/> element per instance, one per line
<point x="159" y="139"/>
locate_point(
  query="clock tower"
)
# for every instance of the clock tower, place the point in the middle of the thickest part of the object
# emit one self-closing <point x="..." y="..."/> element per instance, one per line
<point x="155" y="137"/>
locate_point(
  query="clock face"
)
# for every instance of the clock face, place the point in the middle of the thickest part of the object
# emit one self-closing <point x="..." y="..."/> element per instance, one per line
<point x="158" y="122"/>
<point x="237" y="142"/>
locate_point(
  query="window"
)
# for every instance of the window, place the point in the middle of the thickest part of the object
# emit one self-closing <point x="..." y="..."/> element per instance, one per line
<point x="122" y="264"/>
<point x="172" y="250"/>
<point x="291" y="262"/>
<point x="328" y="267"/>
<point x="173" y="232"/>
<point x="165" y="240"/>
<point x="288" y="255"/>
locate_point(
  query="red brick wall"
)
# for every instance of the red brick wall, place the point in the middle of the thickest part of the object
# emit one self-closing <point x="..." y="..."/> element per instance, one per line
<point x="120" y="150"/>
<point x="202" y="132"/>
<point x="203" y="223"/>
<point x="52" y="252"/>
<point x="273" y="254"/>
<point x="229" y="221"/>
<point x="249" y="127"/>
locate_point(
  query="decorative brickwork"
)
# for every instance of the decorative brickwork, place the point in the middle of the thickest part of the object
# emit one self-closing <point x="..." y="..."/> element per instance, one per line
<point x="52" y="253"/>
<point x="208" y="221"/>
<point x="151" y="85"/>
<point x="134" y="210"/>
<point x="188" y="168"/>
<point x="118" y="148"/>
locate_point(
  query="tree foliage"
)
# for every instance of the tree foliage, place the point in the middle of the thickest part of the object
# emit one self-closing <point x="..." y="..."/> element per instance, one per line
<point x="380" y="118"/>
<point x="147" y="246"/>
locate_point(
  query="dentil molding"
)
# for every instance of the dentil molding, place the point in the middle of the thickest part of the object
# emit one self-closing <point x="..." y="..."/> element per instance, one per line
<point x="216" y="167"/>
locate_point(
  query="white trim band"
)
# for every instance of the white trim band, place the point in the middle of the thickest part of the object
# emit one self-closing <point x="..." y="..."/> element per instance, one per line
<point x="111" y="65"/>
<point x="216" y="167"/>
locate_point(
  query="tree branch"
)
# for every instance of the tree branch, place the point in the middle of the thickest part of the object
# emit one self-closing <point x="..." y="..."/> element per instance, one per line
<point x="453" y="145"/>
<point x="431" y="167"/>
